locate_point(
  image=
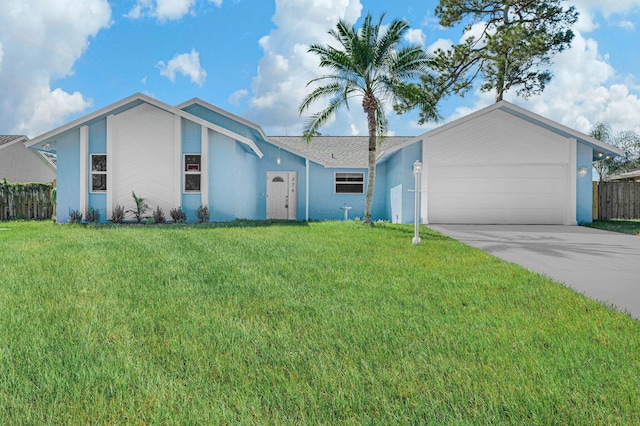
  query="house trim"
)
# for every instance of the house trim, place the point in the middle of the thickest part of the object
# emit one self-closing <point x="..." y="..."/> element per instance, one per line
<point x="204" y="161"/>
<point x="84" y="169"/>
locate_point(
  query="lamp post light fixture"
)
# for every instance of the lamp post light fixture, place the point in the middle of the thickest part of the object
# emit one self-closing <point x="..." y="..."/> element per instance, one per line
<point x="417" y="171"/>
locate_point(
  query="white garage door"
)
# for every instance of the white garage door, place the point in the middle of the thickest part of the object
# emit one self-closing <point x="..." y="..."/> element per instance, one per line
<point x="498" y="194"/>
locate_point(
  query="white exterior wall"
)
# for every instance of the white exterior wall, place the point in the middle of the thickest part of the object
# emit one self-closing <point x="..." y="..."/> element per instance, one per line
<point x="21" y="164"/>
<point x="142" y="158"/>
<point x="499" y="169"/>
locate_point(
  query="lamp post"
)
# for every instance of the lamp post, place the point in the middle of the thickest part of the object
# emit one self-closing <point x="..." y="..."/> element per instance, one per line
<point x="417" y="171"/>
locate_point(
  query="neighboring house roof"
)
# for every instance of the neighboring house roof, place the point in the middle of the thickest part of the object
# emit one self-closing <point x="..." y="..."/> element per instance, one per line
<point x="599" y="147"/>
<point x="7" y="139"/>
<point x="19" y="164"/>
<point x="40" y="143"/>
<point x="633" y="175"/>
<point x="337" y="151"/>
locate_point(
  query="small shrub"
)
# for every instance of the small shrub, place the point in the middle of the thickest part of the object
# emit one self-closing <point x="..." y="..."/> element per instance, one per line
<point x="158" y="215"/>
<point x="203" y="213"/>
<point x="178" y="215"/>
<point x="75" y="216"/>
<point x="117" y="214"/>
<point x="93" y="215"/>
<point x="141" y="208"/>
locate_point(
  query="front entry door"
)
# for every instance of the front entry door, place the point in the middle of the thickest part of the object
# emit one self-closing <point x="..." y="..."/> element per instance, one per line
<point x="282" y="196"/>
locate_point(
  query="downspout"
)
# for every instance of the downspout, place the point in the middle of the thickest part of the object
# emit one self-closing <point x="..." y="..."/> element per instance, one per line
<point x="306" y="195"/>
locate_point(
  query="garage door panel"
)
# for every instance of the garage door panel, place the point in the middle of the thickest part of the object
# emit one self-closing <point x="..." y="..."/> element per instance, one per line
<point x="482" y="185"/>
<point x="493" y="216"/>
<point x="495" y="194"/>
<point x="505" y="171"/>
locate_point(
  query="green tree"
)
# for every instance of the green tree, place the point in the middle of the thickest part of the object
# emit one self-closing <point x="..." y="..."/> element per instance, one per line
<point x="514" y="48"/>
<point x="372" y="64"/>
<point x="626" y="140"/>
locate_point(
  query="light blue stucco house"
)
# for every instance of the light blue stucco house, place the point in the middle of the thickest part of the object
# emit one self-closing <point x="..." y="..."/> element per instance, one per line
<point x="501" y="164"/>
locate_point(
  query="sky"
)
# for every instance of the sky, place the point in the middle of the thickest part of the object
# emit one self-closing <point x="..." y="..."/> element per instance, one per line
<point x="62" y="59"/>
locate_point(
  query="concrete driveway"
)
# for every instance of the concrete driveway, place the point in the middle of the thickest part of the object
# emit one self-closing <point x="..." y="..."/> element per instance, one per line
<point x="602" y="265"/>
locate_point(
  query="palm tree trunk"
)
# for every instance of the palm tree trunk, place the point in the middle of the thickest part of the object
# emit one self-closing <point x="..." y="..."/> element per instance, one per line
<point x="370" y="105"/>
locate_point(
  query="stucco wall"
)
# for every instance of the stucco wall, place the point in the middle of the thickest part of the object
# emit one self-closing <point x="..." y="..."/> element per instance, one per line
<point x="584" y="185"/>
<point x="68" y="175"/>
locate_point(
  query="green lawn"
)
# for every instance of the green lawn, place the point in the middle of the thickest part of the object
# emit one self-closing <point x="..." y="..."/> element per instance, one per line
<point x="325" y="323"/>
<point x="627" y="226"/>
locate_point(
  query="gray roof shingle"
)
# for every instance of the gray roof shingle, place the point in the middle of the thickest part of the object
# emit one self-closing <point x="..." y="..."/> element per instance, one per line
<point x="336" y="151"/>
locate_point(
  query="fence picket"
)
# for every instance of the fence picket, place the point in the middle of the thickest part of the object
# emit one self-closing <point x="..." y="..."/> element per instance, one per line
<point x="617" y="200"/>
<point x="29" y="201"/>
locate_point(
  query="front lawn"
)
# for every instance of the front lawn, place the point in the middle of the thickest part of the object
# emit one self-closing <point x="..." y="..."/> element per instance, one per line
<point x="319" y="323"/>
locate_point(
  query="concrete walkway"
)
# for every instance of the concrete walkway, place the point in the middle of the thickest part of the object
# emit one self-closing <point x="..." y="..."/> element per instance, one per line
<point x="602" y="265"/>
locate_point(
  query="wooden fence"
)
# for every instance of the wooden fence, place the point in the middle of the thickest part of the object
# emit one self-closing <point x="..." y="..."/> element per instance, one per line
<point x="616" y="200"/>
<point x="25" y="201"/>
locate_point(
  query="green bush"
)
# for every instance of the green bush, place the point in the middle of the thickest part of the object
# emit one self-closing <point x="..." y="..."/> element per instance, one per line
<point x="117" y="214"/>
<point x="93" y="215"/>
<point x="158" y="215"/>
<point x="75" y="216"/>
<point x="203" y="213"/>
<point x="178" y="215"/>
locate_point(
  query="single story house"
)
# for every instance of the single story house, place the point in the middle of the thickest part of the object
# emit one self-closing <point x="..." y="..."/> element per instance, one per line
<point x="23" y="165"/>
<point x="501" y="164"/>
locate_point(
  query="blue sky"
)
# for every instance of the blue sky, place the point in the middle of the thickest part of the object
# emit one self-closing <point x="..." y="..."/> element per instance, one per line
<point x="61" y="59"/>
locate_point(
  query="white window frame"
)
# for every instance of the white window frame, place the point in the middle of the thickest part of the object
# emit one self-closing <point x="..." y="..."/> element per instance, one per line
<point x="188" y="171"/>
<point x="336" y="183"/>
<point x="98" y="172"/>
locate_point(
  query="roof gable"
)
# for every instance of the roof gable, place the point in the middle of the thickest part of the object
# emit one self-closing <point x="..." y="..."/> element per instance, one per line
<point x="538" y="120"/>
<point x="39" y="142"/>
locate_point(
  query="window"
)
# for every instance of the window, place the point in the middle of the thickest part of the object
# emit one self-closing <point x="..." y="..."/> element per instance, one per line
<point x="349" y="183"/>
<point x="98" y="172"/>
<point x="192" y="172"/>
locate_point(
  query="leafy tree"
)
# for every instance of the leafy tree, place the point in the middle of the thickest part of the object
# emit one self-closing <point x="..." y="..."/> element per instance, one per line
<point x="369" y="63"/>
<point x="514" y="48"/>
<point x="627" y="140"/>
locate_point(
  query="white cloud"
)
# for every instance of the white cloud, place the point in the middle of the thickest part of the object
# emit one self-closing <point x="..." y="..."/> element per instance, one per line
<point x="608" y="7"/>
<point x="237" y="96"/>
<point x="187" y="64"/>
<point x="585" y="89"/>
<point x="416" y="36"/>
<point x="41" y="41"/>
<point x="286" y="67"/>
<point x="441" y="43"/>
<point x="46" y="106"/>
<point x="627" y="25"/>
<point x="164" y="10"/>
<point x="588" y="10"/>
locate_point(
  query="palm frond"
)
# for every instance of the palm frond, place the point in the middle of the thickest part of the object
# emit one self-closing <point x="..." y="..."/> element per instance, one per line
<point x="316" y="121"/>
<point x="329" y="90"/>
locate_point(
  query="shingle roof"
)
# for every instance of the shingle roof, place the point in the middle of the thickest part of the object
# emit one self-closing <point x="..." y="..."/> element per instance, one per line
<point x="5" y="139"/>
<point x="336" y="151"/>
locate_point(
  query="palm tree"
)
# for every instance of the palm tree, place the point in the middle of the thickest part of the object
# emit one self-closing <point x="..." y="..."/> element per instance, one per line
<point x="371" y="64"/>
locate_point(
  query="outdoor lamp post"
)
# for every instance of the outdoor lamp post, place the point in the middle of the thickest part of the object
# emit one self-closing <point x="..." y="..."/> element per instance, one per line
<point x="417" y="171"/>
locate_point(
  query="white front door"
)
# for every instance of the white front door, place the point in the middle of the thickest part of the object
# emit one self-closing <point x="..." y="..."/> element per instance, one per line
<point x="282" y="196"/>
